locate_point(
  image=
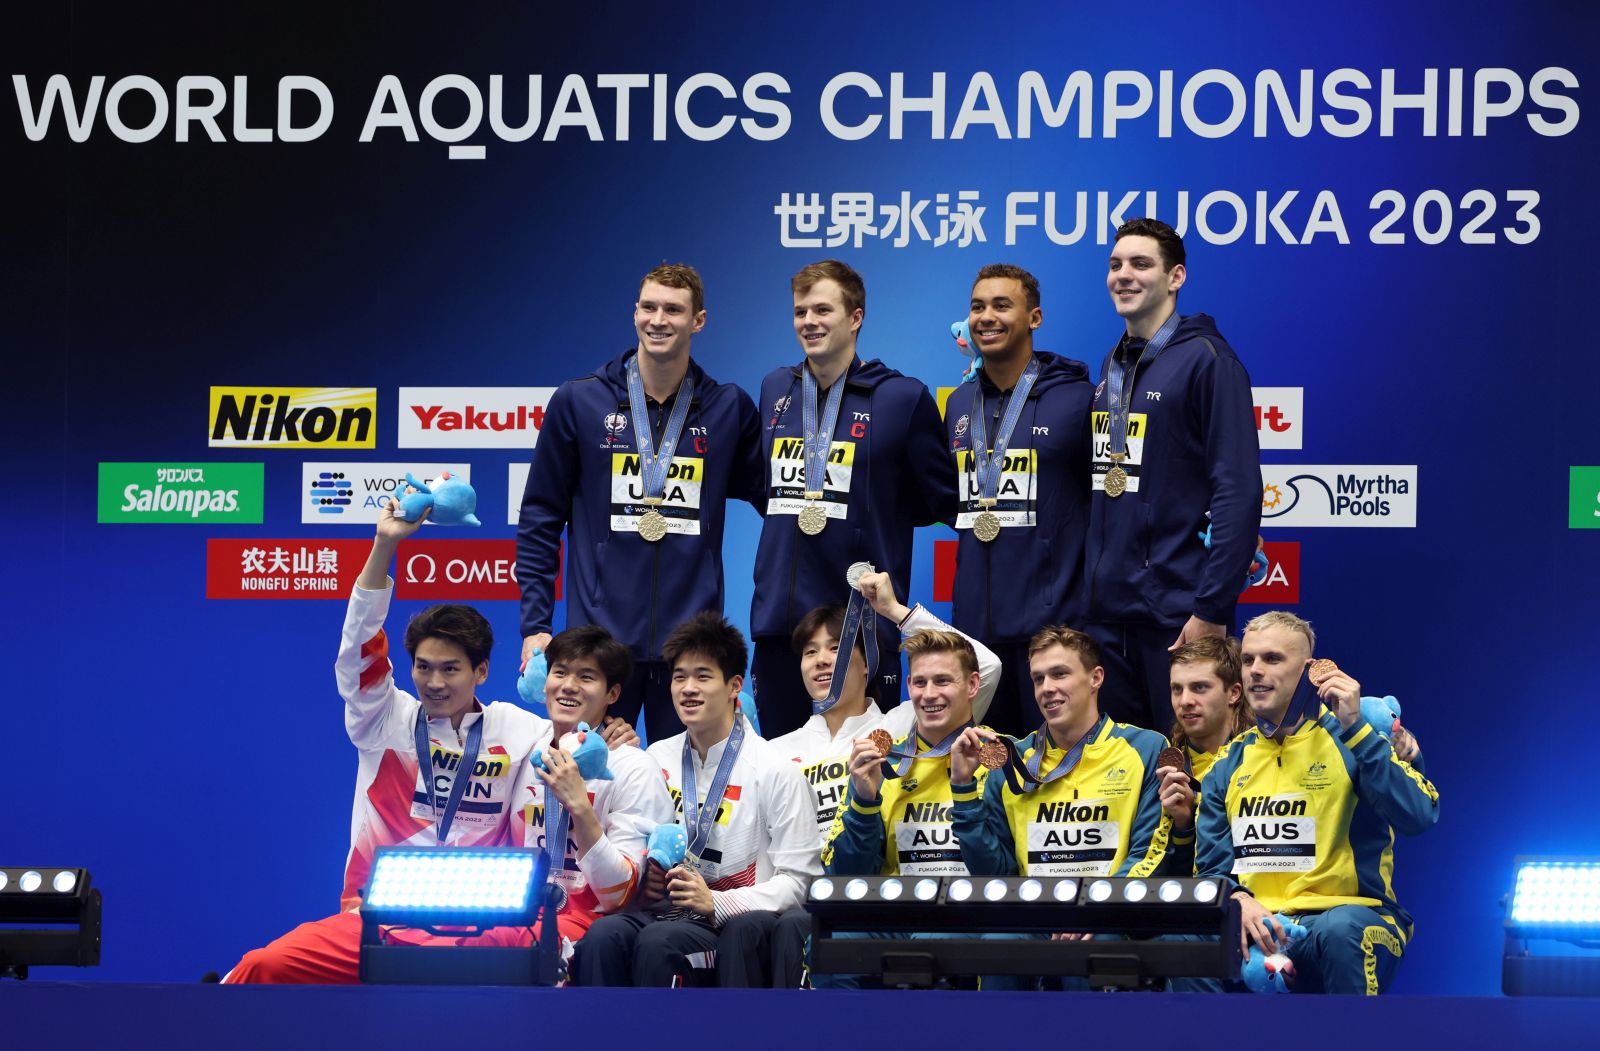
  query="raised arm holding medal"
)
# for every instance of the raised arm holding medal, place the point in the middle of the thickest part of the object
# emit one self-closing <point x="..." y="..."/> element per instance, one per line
<point x="1300" y="813"/>
<point x="855" y="460"/>
<point x="636" y="462"/>
<point x="1019" y="433"/>
<point x="1174" y="443"/>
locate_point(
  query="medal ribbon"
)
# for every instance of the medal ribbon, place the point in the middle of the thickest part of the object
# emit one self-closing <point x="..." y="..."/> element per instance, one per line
<point x="855" y="613"/>
<point x="1116" y="380"/>
<point x="989" y="466"/>
<point x="556" y="822"/>
<point x="698" y="823"/>
<point x="898" y="763"/>
<point x="654" y="464"/>
<point x="818" y="440"/>
<point x="1069" y="762"/>
<point x="458" y="784"/>
<point x="1304" y="702"/>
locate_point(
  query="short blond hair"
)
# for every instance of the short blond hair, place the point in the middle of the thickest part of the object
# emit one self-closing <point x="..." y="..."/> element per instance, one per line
<point x="1278" y="618"/>
<point x="935" y="640"/>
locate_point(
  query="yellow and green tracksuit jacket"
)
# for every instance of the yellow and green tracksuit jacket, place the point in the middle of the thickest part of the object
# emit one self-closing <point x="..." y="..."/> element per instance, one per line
<point x="1309" y="823"/>
<point x="1103" y="819"/>
<point x="906" y="831"/>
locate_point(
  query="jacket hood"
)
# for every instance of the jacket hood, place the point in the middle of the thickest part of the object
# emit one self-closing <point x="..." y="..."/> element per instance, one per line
<point x="862" y="373"/>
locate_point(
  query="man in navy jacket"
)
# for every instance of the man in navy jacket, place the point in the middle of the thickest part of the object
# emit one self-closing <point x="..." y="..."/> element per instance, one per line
<point x="1021" y="567"/>
<point x="886" y="472"/>
<point x="638" y="563"/>
<point x="1175" y="451"/>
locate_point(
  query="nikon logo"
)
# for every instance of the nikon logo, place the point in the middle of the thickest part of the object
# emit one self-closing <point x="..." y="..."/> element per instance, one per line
<point x="294" y="417"/>
<point x="1271" y="806"/>
<point x="1069" y="811"/>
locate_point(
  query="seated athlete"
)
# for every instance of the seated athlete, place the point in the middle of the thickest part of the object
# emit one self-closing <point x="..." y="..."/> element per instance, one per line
<point x="1208" y="711"/>
<point x="896" y="816"/>
<point x="607" y="821"/>
<point x="822" y="747"/>
<point x="748" y="817"/>
<point x="1090" y="804"/>
<point x="449" y="648"/>
<point x="1299" y="813"/>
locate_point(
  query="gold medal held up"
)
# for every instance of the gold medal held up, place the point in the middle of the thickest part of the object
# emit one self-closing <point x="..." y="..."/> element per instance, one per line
<point x="813" y="519"/>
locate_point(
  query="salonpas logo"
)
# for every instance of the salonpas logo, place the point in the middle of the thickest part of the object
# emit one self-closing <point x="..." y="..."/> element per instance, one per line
<point x="294" y="417"/>
<point x="180" y="492"/>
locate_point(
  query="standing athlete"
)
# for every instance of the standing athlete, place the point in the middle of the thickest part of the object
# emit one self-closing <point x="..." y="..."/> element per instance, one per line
<point x="1020" y="435"/>
<point x="855" y="461"/>
<point x="1175" y="457"/>
<point x="635" y="462"/>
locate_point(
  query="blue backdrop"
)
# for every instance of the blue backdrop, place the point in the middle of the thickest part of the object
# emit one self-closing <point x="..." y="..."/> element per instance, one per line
<point x="191" y="751"/>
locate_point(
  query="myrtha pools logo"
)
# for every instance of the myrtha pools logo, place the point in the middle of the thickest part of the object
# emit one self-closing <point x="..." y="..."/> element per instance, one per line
<point x="1327" y="495"/>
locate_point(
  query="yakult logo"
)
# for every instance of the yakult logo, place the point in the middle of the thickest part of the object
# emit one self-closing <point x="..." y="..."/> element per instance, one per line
<point x="1280" y="412"/>
<point x="472" y="417"/>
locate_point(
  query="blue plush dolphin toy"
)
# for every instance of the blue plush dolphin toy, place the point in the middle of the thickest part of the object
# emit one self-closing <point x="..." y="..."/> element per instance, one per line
<point x="667" y="845"/>
<point x="588" y="749"/>
<point x="453" y="501"/>
<point x="1275" y="973"/>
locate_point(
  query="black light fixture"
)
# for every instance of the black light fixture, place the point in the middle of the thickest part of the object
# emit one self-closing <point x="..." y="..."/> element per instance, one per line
<point x="49" y="917"/>
<point x="468" y="890"/>
<point x="1140" y="911"/>
<point x="1552" y="928"/>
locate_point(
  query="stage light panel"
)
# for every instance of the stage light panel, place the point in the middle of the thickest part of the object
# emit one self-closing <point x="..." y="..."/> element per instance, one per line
<point x="891" y="889"/>
<point x="451" y="881"/>
<point x="960" y="890"/>
<point x="1135" y="890"/>
<point x="1065" y="890"/>
<point x="1556" y="895"/>
<point x="856" y="889"/>
<point x="1205" y="893"/>
<point x="1100" y="890"/>
<point x="926" y="889"/>
<point x="1030" y="890"/>
<point x="1170" y="890"/>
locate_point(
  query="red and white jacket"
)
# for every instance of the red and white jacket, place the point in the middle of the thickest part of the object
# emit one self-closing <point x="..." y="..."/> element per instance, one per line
<point x="391" y="804"/>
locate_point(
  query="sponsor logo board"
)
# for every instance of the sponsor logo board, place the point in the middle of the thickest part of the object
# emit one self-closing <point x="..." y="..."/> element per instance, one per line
<point x="294" y="417"/>
<point x="180" y="492"/>
<point x="353" y="493"/>
<point x="457" y="570"/>
<point x="1280" y="413"/>
<point x="1281" y="587"/>
<point x="286" y="568"/>
<point x="1583" y="501"/>
<point x="471" y="417"/>
<point x="1315" y="495"/>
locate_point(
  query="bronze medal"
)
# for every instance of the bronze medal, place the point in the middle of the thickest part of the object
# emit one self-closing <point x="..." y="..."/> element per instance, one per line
<point x="1171" y="756"/>
<point x="1116" y="481"/>
<point x="881" y="741"/>
<point x="813" y="520"/>
<point x="993" y="755"/>
<point x="986" y="527"/>
<point x="1321" y="670"/>
<point x="652" y="526"/>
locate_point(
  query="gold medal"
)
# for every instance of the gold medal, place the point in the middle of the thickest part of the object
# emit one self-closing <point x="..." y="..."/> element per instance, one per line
<point x="652" y="526"/>
<point x="986" y="527"/>
<point x="1116" y="482"/>
<point x="813" y="519"/>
